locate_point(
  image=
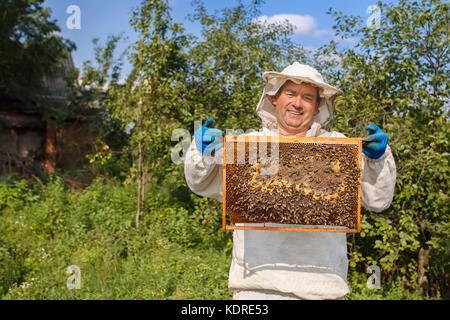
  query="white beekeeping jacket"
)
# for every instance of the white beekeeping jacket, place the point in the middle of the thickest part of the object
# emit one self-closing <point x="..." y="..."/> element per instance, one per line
<point x="310" y="265"/>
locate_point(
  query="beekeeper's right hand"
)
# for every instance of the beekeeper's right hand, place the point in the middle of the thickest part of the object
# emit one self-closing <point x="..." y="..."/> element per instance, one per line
<point x="208" y="139"/>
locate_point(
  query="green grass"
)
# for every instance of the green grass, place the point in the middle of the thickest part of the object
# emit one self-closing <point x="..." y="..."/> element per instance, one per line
<point x="46" y="228"/>
<point x="168" y="272"/>
<point x="178" y="252"/>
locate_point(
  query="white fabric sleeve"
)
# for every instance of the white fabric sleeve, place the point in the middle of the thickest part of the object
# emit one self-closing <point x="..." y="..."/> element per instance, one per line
<point x="204" y="173"/>
<point x="378" y="181"/>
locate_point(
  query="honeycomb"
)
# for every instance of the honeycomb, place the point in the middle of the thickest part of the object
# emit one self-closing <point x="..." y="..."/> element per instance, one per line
<point x="316" y="184"/>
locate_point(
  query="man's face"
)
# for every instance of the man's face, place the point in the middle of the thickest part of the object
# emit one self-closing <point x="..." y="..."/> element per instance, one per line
<point x="295" y="107"/>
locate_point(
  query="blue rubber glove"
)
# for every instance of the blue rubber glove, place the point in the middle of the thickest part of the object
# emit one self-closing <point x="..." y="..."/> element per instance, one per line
<point x="374" y="146"/>
<point x="205" y="137"/>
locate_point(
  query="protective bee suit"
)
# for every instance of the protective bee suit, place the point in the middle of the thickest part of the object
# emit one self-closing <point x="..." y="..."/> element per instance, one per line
<point x="287" y="264"/>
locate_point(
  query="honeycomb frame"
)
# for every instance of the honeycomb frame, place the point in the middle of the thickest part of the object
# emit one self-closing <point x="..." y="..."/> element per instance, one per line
<point x="245" y="213"/>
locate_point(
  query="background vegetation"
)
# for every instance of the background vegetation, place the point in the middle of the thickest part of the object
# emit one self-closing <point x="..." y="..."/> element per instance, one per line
<point x="137" y="232"/>
<point x="31" y="48"/>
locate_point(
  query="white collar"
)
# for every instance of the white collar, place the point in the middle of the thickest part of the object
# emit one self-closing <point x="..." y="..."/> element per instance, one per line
<point x="314" y="131"/>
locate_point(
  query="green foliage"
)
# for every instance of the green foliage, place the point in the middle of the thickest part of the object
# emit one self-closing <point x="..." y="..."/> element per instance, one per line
<point x="88" y="93"/>
<point x="45" y="227"/>
<point x="395" y="77"/>
<point x="226" y="65"/>
<point x="151" y="95"/>
<point x="31" y="48"/>
<point x="395" y="290"/>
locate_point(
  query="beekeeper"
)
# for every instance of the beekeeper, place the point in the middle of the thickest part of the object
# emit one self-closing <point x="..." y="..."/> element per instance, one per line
<point x="282" y="264"/>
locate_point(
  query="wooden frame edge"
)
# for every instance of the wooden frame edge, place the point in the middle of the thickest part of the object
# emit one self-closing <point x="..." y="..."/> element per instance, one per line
<point x="360" y="156"/>
<point x="291" y="139"/>
<point x="224" y="184"/>
<point x="325" y="140"/>
<point x="298" y="229"/>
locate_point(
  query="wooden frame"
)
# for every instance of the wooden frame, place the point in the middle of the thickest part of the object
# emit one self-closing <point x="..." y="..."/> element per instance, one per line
<point x="283" y="139"/>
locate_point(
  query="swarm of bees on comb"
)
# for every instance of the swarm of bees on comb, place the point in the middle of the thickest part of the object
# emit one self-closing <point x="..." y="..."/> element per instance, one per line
<point x="315" y="184"/>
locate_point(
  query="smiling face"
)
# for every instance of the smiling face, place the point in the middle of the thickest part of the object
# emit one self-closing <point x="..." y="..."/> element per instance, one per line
<point x="295" y="107"/>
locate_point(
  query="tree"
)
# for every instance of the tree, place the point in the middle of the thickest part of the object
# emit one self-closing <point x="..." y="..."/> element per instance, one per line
<point x="226" y="65"/>
<point x="396" y="76"/>
<point x="30" y="48"/>
<point x="152" y="88"/>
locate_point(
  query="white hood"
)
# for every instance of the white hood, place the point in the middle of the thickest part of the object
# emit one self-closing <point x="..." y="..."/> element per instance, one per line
<point x="297" y="73"/>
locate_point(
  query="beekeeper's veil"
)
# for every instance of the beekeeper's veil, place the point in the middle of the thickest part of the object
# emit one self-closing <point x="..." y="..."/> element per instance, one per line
<point x="297" y="73"/>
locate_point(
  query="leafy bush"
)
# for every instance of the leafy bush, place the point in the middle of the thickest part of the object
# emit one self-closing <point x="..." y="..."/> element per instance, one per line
<point x="44" y="228"/>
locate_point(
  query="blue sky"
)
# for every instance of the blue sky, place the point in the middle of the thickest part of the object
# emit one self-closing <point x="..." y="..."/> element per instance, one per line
<point x="100" y="18"/>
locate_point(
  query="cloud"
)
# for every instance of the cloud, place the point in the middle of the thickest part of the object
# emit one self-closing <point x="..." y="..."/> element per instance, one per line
<point x="310" y="49"/>
<point x="322" y="58"/>
<point x="331" y="58"/>
<point x="303" y="24"/>
<point x="322" y="32"/>
<point x="344" y="40"/>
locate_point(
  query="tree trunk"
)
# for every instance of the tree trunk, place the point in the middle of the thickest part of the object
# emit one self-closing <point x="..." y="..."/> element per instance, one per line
<point x="140" y="192"/>
<point x="424" y="257"/>
<point x="140" y="175"/>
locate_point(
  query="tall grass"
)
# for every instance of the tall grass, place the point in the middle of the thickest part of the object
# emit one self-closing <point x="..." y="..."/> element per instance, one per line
<point x="178" y="252"/>
<point x="44" y="228"/>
